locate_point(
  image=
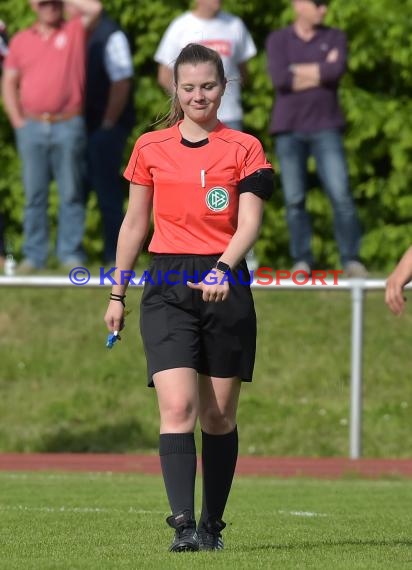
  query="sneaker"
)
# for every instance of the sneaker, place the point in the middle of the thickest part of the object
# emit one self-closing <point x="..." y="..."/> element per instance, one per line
<point x="302" y="266"/>
<point x="186" y="538"/>
<point x="72" y="263"/>
<point x="210" y="537"/>
<point x="356" y="269"/>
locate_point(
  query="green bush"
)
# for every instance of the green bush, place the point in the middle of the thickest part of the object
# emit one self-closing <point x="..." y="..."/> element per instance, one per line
<point x="375" y="96"/>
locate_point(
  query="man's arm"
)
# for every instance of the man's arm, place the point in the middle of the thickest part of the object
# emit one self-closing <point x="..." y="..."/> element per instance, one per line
<point x="309" y="75"/>
<point x="397" y="280"/>
<point x="165" y="77"/>
<point x="89" y="10"/>
<point x="118" y="97"/>
<point x="119" y="68"/>
<point x="277" y="62"/>
<point x="10" y="93"/>
<point x="243" y="73"/>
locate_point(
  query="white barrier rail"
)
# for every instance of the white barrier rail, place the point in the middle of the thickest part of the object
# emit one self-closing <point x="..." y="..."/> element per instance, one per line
<point x="356" y="286"/>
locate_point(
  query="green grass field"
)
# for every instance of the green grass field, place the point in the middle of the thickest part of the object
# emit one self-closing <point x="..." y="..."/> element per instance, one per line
<point x="51" y="521"/>
<point x="62" y="390"/>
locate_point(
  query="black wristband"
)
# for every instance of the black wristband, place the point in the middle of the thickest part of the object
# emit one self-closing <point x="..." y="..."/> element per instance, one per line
<point x="115" y="297"/>
<point x="223" y="267"/>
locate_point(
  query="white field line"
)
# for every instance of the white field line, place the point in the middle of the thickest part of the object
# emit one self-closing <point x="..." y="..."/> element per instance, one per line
<point x="64" y="509"/>
<point x="302" y="514"/>
<point x="130" y="510"/>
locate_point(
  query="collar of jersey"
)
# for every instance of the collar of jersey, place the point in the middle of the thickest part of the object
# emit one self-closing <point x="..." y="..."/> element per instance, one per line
<point x="211" y="136"/>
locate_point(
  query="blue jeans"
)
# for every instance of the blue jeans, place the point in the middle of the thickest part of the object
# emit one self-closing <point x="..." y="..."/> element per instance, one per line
<point x="105" y="155"/>
<point x="53" y="151"/>
<point x="293" y="150"/>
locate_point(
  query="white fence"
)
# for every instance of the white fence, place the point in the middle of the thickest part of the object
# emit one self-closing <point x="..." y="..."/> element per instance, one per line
<point x="357" y="287"/>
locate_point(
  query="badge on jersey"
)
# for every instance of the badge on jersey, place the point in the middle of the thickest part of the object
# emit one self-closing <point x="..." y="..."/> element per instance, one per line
<point x="217" y="199"/>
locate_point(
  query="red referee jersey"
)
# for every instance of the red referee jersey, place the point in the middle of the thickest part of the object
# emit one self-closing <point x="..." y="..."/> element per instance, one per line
<point x="196" y="200"/>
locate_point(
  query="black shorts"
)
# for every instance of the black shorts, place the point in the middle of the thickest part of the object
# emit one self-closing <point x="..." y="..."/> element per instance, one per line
<point x="180" y="330"/>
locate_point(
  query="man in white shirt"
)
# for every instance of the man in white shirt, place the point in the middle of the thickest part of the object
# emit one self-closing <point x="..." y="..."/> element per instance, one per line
<point x="207" y="24"/>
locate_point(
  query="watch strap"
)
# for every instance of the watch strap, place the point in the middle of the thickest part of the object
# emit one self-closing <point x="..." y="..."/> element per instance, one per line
<point x="222" y="267"/>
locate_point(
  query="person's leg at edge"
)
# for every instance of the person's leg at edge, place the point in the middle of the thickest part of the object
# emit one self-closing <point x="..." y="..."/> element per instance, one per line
<point x="292" y="153"/>
<point x="69" y="162"/>
<point x="178" y="399"/>
<point x="328" y="150"/>
<point x="33" y="146"/>
<point x="105" y="154"/>
<point x="218" y="401"/>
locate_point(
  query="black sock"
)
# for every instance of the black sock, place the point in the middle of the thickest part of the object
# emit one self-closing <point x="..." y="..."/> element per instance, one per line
<point x="219" y="456"/>
<point x="178" y="460"/>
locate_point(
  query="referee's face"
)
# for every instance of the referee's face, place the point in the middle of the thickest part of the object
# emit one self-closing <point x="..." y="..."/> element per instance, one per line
<point x="199" y="91"/>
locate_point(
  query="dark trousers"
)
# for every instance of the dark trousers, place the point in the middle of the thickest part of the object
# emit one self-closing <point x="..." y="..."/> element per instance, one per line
<point x="105" y="156"/>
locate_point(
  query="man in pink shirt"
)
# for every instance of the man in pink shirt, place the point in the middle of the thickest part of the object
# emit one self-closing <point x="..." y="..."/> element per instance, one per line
<point x="43" y="91"/>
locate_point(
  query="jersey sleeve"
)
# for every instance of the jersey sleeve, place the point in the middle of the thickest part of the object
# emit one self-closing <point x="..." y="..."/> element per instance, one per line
<point x="137" y="171"/>
<point x="255" y="159"/>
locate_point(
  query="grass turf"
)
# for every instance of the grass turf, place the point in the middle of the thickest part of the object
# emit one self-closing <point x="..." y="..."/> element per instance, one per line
<point x="94" y="521"/>
<point x="61" y="389"/>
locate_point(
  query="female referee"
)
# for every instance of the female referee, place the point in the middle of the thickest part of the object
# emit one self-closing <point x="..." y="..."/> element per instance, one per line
<point x="205" y="184"/>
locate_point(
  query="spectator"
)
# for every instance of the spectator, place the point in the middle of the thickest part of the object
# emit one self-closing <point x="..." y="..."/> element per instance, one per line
<point x="208" y="25"/>
<point x="43" y="92"/>
<point x="306" y="61"/>
<point x="110" y="118"/>
<point x="227" y="34"/>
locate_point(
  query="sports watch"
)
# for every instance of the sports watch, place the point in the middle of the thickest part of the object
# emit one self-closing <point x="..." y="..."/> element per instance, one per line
<point x="223" y="267"/>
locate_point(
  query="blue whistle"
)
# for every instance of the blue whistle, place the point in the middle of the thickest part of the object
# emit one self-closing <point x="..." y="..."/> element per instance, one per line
<point x="112" y="338"/>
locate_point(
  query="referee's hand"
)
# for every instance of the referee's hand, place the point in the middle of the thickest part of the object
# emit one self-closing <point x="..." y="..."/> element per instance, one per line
<point x="114" y="317"/>
<point x="214" y="287"/>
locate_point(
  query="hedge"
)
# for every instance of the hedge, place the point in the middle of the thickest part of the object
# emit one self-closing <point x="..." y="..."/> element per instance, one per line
<point x="375" y="95"/>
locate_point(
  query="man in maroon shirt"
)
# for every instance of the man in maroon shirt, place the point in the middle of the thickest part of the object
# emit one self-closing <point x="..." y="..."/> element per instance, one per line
<point x="43" y="92"/>
<point x="306" y="61"/>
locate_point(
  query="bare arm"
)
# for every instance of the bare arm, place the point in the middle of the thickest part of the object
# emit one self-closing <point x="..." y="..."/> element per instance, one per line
<point x="308" y="75"/>
<point x="131" y="239"/>
<point x="249" y="222"/>
<point x="301" y="82"/>
<point x="396" y="282"/>
<point x="89" y="10"/>
<point x="165" y="78"/>
<point x="243" y="72"/>
<point x="118" y="96"/>
<point x="10" y="93"/>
